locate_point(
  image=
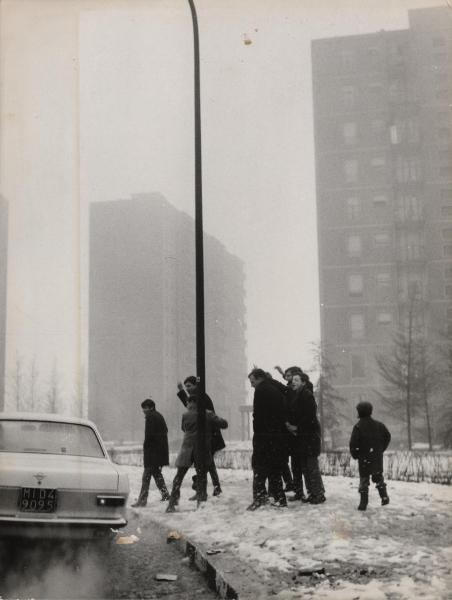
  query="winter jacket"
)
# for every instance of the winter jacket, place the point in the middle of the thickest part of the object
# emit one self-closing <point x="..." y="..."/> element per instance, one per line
<point x="155" y="445"/>
<point x="190" y="451"/>
<point x="368" y="441"/>
<point x="217" y="438"/>
<point x="269" y="427"/>
<point x="303" y="415"/>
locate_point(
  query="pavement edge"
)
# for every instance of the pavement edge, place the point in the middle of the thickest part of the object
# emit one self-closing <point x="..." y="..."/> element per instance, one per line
<point x="202" y="561"/>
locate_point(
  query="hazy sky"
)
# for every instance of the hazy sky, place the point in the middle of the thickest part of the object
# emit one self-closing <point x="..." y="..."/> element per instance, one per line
<point x="97" y="105"/>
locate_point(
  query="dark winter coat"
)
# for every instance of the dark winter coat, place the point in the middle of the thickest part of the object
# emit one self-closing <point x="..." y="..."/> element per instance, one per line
<point x="155" y="446"/>
<point x="190" y="451"/>
<point x="269" y="426"/>
<point x="303" y="415"/>
<point x="288" y="397"/>
<point x="368" y="441"/>
<point x="217" y="438"/>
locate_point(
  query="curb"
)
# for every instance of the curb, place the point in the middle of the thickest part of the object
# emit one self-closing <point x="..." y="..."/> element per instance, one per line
<point x="215" y="578"/>
<point x="205" y="564"/>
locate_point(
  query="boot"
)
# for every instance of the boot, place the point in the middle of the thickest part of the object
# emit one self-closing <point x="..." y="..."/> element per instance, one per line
<point x="364" y="500"/>
<point x="165" y="496"/>
<point x="383" y="495"/>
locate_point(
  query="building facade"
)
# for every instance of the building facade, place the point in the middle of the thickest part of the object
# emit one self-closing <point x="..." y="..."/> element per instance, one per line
<point x="3" y="283"/>
<point x="142" y="320"/>
<point x="383" y="134"/>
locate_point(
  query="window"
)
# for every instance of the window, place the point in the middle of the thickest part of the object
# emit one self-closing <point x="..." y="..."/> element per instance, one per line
<point x="381" y="239"/>
<point x="348" y="96"/>
<point x="445" y="171"/>
<point x="358" y="366"/>
<point x="447" y="272"/>
<point x="383" y="280"/>
<point x="349" y="133"/>
<point x="351" y="170"/>
<point x="407" y="169"/>
<point x="446" y="212"/>
<point x="354" y="245"/>
<point x="397" y="90"/>
<point x="384" y="319"/>
<point x="378" y="163"/>
<point x="353" y="208"/>
<point x="346" y="57"/>
<point x="355" y="285"/>
<point x="410" y="208"/>
<point x="443" y="133"/>
<point x="380" y="201"/>
<point x="447" y="251"/>
<point x="442" y="94"/>
<point x="438" y="41"/>
<point x="447" y="234"/>
<point x="378" y="127"/>
<point x="357" y="326"/>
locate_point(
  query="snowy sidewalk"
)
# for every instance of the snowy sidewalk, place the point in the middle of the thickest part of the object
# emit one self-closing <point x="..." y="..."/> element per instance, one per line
<point x="400" y="551"/>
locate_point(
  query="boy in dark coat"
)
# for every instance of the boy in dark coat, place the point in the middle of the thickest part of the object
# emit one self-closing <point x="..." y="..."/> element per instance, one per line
<point x="269" y="452"/>
<point x="368" y="441"/>
<point x="155" y="452"/>
<point x="304" y="424"/>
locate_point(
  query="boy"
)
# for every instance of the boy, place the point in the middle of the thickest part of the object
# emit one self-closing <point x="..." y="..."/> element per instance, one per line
<point x="368" y="441"/>
<point x="155" y="452"/>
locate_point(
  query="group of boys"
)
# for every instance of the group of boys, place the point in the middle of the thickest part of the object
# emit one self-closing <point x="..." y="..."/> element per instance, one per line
<point x="285" y="429"/>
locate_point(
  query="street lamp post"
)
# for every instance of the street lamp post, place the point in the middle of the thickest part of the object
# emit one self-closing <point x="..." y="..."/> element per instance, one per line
<point x="199" y="246"/>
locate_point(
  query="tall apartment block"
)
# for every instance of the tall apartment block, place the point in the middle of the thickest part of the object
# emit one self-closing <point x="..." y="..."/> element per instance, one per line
<point x="3" y="269"/>
<point x="383" y="135"/>
<point x="142" y="322"/>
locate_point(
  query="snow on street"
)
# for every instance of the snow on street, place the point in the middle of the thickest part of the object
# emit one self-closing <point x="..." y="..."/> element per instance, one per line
<point x="400" y="551"/>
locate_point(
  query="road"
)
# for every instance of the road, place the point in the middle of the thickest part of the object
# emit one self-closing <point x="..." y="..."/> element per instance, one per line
<point x="81" y="571"/>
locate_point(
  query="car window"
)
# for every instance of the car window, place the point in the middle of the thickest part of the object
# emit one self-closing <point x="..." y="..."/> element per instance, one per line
<point x="47" y="437"/>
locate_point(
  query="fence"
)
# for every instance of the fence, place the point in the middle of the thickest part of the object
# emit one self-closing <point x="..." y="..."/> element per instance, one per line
<point x="434" y="467"/>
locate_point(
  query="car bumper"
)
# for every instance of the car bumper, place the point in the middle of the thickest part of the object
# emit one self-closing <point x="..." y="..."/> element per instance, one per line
<point x="59" y="528"/>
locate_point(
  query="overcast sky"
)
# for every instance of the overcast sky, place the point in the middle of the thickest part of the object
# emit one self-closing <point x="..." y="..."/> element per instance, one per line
<point x="97" y="105"/>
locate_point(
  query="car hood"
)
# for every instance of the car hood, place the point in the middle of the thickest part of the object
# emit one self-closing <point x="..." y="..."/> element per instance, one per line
<point x="59" y="472"/>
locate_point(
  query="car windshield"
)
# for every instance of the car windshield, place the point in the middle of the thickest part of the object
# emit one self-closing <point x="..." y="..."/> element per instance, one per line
<point x="47" y="437"/>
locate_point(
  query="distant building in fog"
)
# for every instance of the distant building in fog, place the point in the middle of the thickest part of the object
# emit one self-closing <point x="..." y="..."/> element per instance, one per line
<point x="142" y="317"/>
<point x="3" y="269"/>
<point x="383" y="134"/>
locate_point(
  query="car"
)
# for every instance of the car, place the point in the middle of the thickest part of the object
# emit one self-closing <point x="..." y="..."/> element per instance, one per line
<point x="57" y="479"/>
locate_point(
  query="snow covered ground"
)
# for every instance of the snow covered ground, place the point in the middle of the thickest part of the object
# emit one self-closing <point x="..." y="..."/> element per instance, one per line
<point x="400" y="551"/>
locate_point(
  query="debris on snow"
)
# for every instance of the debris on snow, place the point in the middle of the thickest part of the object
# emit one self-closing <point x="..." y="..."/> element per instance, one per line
<point x="165" y="577"/>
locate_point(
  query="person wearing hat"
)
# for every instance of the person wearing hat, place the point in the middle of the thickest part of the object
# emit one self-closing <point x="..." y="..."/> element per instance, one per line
<point x="155" y="452"/>
<point x="368" y="441"/>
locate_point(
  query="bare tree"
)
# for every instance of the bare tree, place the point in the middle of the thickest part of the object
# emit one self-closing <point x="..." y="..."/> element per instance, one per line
<point x="53" y="393"/>
<point x="17" y="386"/>
<point x="412" y="376"/>
<point x="79" y="393"/>
<point x="33" y="377"/>
<point x="330" y="402"/>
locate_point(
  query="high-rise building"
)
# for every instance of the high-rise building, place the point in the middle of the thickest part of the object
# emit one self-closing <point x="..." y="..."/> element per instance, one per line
<point x="3" y="269"/>
<point x="142" y="319"/>
<point x="383" y="134"/>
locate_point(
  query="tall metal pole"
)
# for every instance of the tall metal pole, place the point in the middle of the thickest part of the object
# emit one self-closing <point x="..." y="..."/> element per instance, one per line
<point x="200" y="333"/>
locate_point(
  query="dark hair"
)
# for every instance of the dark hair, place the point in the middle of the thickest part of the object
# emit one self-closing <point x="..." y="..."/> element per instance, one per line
<point x="148" y="403"/>
<point x="191" y="379"/>
<point x="258" y="373"/>
<point x="293" y="370"/>
<point x="364" y="409"/>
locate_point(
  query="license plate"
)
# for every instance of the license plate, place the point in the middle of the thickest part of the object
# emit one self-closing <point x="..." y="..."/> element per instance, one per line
<point x="37" y="500"/>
